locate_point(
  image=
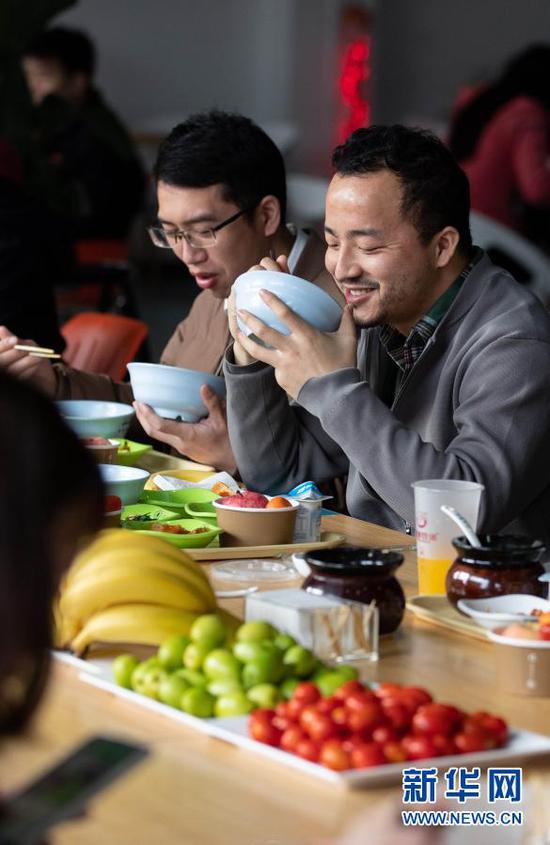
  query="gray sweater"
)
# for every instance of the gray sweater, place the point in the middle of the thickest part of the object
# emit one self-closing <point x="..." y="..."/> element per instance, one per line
<point x="475" y="406"/>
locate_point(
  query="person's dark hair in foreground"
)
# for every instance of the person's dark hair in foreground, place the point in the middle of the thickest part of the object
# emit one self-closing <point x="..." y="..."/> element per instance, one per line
<point x="528" y="74"/>
<point x="51" y="497"/>
<point x="215" y="147"/>
<point x="435" y="191"/>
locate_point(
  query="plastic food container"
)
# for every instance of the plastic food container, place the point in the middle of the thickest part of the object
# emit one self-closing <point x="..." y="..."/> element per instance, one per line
<point x="523" y="666"/>
<point x="255" y="526"/>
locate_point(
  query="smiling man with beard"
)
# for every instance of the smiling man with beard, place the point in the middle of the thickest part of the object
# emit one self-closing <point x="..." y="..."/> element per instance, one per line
<point x="440" y="367"/>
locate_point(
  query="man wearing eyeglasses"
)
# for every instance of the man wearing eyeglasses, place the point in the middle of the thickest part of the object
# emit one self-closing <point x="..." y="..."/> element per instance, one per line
<point x="221" y="194"/>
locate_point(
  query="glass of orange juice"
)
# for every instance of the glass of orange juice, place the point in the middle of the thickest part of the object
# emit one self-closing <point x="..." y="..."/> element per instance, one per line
<point x="435" y="531"/>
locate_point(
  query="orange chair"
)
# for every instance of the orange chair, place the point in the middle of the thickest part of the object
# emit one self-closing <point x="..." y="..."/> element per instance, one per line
<point x="102" y="343"/>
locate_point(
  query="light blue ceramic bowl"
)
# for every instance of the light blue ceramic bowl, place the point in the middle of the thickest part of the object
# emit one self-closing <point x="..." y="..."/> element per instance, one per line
<point x="173" y="392"/>
<point x="304" y="298"/>
<point x="92" y="418"/>
<point x="125" y="482"/>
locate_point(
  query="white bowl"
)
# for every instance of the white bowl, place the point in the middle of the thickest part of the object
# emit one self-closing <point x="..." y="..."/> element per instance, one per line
<point x="173" y="392"/>
<point x="304" y="298"/>
<point x="495" y="612"/>
<point x="93" y="418"/>
<point x="125" y="482"/>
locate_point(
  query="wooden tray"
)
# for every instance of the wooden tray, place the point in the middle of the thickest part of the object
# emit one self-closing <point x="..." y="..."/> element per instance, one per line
<point x="438" y="611"/>
<point x="327" y="541"/>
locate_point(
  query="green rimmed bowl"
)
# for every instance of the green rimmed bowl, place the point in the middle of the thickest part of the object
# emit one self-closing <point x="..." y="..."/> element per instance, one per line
<point x="137" y="516"/>
<point x="176" y="500"/>
<point x="186" y="541"/>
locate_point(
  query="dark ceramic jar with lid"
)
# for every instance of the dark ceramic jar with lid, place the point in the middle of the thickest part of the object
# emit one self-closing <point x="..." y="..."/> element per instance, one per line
<point x="361" y="575"/>
<point x="503" y="564"/>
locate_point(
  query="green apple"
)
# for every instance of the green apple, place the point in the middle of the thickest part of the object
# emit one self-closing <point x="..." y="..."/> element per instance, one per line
<point x="198" y="702"/>
<point x="209" y="628"/>
<point x="264" y="695"/>
<point x="255" y="630"/>
<point x="148" y="680"/>
<point x="195" y="679"/>
<point x="222" y="686"/>
<point x="349" y="673"/>
<point x="220" y="663"/>
<point x="329" y="682"/>
<point x="137" y="677"/>
<point x="300" y="660"/>
<point x="123" y="668"/>
<point x="267" y="668"/>
<point x="284" y="641"/>
<point x="287" y="687"/>
<point x="170" y="653"/>
<point x="247" y="651"/>
<point x="195" y="654"/>
<point x="171" y="689"/>
<point x="233" y="703"/>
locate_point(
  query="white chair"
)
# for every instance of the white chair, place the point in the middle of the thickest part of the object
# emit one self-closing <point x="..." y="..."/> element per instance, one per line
<point x="306" y="199"/>
<point x="489" y="234"/>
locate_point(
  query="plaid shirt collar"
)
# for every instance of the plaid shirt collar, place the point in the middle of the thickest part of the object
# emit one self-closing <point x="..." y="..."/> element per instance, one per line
<point x="406" y="351"/>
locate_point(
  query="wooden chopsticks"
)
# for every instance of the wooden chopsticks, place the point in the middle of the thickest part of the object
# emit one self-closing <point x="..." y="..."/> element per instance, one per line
<point x="37" y="351"/>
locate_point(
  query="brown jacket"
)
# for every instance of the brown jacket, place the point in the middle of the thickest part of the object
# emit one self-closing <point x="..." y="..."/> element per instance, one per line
<point x="198" y="342"/>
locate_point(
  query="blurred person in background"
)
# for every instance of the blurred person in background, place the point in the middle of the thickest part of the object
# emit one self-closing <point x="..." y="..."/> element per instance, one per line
<point x="82" y="158"/>
<point x="33" y="258"/>
<point x="501" y="138"/>
<point x="221" y="191"/>
<point x="37" y="545"/>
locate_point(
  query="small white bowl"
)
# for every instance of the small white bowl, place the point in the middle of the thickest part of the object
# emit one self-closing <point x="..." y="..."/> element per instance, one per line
<point x="173" y="392"/>
<point x="93" y="418"/>
<point x="495" y="612"/>
<point x="304" y="298"/>
<point x="125" y="482"/>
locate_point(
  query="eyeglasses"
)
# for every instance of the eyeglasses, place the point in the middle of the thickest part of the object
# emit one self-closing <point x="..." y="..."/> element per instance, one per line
<point x="197" y="239"/>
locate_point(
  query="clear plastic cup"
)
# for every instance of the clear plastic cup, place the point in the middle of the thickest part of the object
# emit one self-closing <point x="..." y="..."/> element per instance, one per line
<point x="434" y="530"/>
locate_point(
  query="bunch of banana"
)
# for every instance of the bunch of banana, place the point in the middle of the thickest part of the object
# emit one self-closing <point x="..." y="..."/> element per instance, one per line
<point x="130" y="588"/>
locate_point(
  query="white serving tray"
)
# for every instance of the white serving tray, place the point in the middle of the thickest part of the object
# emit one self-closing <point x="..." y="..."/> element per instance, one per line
<point x="522" y="744"/>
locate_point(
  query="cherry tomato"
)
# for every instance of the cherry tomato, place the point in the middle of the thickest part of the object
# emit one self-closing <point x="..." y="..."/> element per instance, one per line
<point x="493" y="725"/>
<point x="394" y="752"/>
<point x="308" y="714"/>
<point x="366" y="755"/>
<point x="282" y="709"/>
<point x="383" y="690"/>
<point x="415" y="696"/>
<point x="327" y="705"/>
<point x="473" y="740"/>
<point x="340" y="717"/>
<point x="282" y="723"/>
<point x="291" y="737"/>
<point x="418" y="747"/>
<point x="365" y="718"/>
<point x="294" y="709"/>
<point x="383" y="734"/>
<point x="347" y="688"/>
<point x="262" y="715"/>
<point x="444" y="745"/>
<point x="321" y="728"/>
<point x="359" y="700"/>
<point x="436" y="719"/>
<point x="352" y="741"/>
<point x="308" y="749"/>
<point x="265" y="732"/>
<point x="334" y="756"/>
<point x="306" y="692"/>
<point x="398" y="715"/>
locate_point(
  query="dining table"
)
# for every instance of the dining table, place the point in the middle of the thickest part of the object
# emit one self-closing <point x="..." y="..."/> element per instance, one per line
<point x="197" y="790"/>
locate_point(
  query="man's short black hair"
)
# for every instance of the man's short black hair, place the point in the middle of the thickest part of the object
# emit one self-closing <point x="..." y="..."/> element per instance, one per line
<point x="436" y="192"/>
<point x="72" y="48"/>
<point x="216" y="147"/>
